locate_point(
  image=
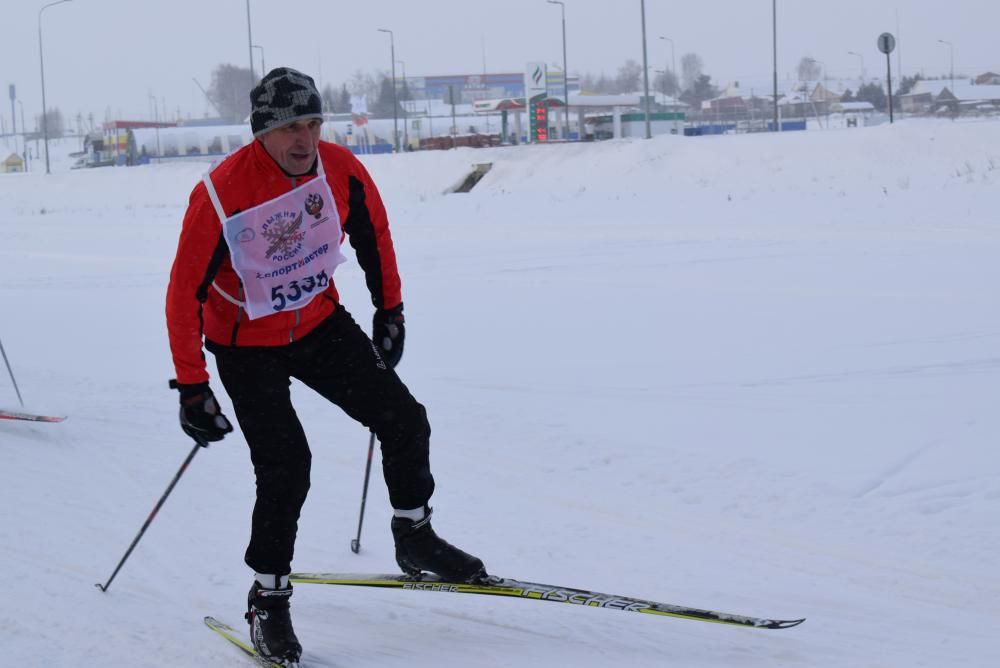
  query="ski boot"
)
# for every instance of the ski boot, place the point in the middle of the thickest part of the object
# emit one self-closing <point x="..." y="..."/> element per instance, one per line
<point x="271" y="625"/>
<point x="419" y="549"/>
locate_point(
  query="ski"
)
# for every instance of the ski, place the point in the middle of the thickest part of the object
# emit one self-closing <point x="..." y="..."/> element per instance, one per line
<point x="495" y="586"/>
<point x="232" y="635"/>
<point x="16" y="415"/>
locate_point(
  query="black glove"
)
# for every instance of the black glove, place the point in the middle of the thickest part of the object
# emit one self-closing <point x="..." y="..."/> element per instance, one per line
<point x="200" y="416"/>
<point x="388" y="333"/>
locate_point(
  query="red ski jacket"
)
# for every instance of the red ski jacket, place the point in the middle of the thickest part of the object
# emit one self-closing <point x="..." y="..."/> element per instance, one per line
<point x="246" y="179"/>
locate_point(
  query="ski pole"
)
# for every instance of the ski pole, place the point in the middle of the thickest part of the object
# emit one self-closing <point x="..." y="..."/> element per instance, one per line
<point x="11" y="372"/>
<point x="149" y="520"/>
<point x="356" y="543"/>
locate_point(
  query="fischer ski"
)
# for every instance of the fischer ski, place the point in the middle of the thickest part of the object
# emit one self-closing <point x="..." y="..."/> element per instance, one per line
<point x="232" y="635"/>
<point x="495" y="586"/>
<point x="17" y="415"/>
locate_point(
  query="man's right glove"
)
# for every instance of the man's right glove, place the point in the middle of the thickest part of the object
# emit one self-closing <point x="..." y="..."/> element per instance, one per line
<point x="200" y="416"/>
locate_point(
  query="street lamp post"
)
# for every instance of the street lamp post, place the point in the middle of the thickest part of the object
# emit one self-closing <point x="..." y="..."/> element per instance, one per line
<point x="951" y="48"/>
<point x="253" y="80"/>
<point x="395" y="103"/>
<point x="41" y="63"/>
<point x="406" y="122"/>
<point x="774" y="34"/>
<point x="854" y="53"/>
<point x="24" y="136"/>
<point x="263" y="69"/>
<point x="673" y="63"/>
<point x="645" y="71"/>
<point x="673" y="71"/>
<point x="562" y="7"/>
<point x="156" y="124"/>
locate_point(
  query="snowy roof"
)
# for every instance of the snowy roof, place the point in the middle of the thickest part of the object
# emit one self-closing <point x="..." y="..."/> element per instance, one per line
<point x="966" y="91"/>
<point x="628" y="100"/>
<point x="934" y="87"/>
<point x="856" y="106"/>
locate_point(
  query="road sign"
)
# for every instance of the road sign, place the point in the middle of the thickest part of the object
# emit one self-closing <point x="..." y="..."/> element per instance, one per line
<point x="886" y="43"/>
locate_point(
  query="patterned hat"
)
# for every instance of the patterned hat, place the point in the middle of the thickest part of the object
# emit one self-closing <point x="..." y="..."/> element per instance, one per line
<point x="283" y="96"/>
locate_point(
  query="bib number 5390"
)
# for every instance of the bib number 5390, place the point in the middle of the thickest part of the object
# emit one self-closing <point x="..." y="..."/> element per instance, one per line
<point x="284" y="295"/>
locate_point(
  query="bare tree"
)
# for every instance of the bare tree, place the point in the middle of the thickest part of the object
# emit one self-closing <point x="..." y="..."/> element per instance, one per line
<point x="629" y="78"/>
<point x="364" y="84"/>
<point x="230" y="91"/>
<point x="666" y="83"/>
<point x="809" y="69"/>
<point x="604" y="85"/>
<point x="57" y="126"/>
<point x="692" y="67"/>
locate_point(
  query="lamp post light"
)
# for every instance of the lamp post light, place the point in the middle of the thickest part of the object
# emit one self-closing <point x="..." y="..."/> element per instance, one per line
<point x="41" y="63"/>
<point x="406" y="122"/>
<point x="263" y="69"/>
<point x="854" y="53"/>
<point x="673" y="70"/>
<point x="951" y="48"/>
<point x="562" y="7"/>
<point x="395" y="103"/>
<point x="645" y="71"/>
<point x="253" y="79"/>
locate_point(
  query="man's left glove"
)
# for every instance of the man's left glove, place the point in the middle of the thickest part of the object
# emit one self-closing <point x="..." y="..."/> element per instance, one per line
<point x="200" y="416"/>
<point x="388" y="333"/>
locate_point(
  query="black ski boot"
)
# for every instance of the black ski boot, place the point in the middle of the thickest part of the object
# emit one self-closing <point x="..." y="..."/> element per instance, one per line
<point x="418" y="549"/>
<point x="271" y="625"/>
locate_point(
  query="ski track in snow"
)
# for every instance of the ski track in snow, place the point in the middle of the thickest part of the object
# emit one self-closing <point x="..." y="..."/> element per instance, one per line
<point x="650" y="371"/>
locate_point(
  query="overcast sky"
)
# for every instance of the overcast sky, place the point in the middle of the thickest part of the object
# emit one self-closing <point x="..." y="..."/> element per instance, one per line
<point x="105" y="56"/>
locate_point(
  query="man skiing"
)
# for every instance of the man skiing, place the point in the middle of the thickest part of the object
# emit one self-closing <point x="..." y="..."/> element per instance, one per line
<point x="253" y="274"/>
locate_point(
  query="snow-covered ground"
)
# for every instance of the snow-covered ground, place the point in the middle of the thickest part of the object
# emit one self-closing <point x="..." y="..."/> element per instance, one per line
<point x="755" y="373"/>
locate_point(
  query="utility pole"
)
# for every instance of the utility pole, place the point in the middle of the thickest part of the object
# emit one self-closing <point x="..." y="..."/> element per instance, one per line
<point x="951" y="49"/>
<point x="562" y="6"/>
<point x="673" y="72"/>
<point x="406" y="123"/>
<point x="645" y="71"/>
<point x="774" y="32"/>
<point x="395" y="102"/>
<point x="253" y="79"/>
<point x="41" y="62"/>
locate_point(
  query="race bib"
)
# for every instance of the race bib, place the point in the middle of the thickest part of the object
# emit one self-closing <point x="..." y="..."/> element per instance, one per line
<point x="285" y="250"/>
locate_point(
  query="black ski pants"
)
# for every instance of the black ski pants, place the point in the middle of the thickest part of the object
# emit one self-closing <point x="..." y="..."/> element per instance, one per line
<point x="338" y="361"/>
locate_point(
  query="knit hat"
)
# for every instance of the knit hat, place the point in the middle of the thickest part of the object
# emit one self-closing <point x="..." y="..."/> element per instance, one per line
<point x="283" y="96"/>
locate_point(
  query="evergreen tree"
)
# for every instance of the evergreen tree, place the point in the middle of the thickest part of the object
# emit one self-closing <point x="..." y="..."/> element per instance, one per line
<point x="329" y="97"/>
<point x="872" y="92"/>
<point x="701" y="90"/>
<point x="343" y="103"/>
<point x="384" y="102"/>
<point x="907" y="84"/>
